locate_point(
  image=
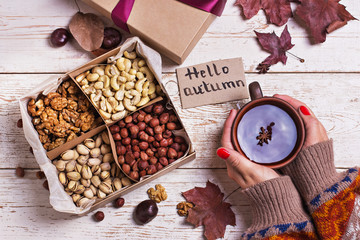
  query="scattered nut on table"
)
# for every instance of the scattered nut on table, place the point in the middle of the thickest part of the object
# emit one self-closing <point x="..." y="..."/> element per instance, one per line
<point x="121" y="87"/>
<point x="89" y="171"/>
<point x="157" y="195"/>
<point x="61" y="116"/>
<point x="183" y="208"/>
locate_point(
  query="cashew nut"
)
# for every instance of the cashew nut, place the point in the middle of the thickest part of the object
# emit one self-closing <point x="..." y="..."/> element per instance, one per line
<point x="120" y="64"/>
<point x="128" y="76"/>
<point x="140" y="75"/>
<point x="119" y="115"/>
<point x="90" y="90"/>
<point x="122" y="79"/>
<point x="114" y="84"/>
<point x="80" y="77"/>
<point x="99" y="70"/>
<point x="111" y="70"/>
<point x="107" y="92"/>
<point x="137" y="96"/>
<point x="152" y="96"/>
<point x="84" y="82"/>
<point x="120" y="107"/>
<point x="103" y="103"/>
<point x="99" y="85"/>
<point x="113" y="102"/>
<point x="135" y="64"/>
<point x="139" y="85"/>
<point x="148" y="74"/>
<point x="129" y="85"/>
<point x="128" y="105"/>
<point x="128" y="95"/>
<point x="92" y="77"/>
<point x="119" y="95"/>
<point x="104" y="114"/>
<point x="141" y="63"/>
<point x="130" y="55"/>
<point x="106" y="81"/>
<point x="143" y="101"/>
<point x="108" y="106"/>
<point x="152" y="88"/>
<point x="145" y="90"/>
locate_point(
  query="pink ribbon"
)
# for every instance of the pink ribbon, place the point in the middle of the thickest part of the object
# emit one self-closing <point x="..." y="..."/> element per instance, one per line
<point x="121" y="12"/>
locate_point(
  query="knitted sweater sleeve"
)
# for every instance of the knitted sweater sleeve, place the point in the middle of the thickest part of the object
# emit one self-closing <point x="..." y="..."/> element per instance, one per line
<point x="332" y="198"/>
<point x="277" y="212"/>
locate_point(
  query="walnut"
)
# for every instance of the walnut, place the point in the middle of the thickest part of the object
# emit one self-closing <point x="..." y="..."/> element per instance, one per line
<point x="59" y="103"/>
<point x="71" y="104"/>
<point x="183" y="208"/>
<point x="35" y="108"/>
<point x="157" y="195"/>
<point x="85" y="121"/>
<point x="50" y="97"/>
<point x="70" y="115"/>
<point x="58" y="142"/>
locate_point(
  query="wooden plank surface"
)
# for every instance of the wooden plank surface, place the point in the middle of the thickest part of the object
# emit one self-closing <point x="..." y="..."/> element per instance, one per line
<point x="328" y="82"/>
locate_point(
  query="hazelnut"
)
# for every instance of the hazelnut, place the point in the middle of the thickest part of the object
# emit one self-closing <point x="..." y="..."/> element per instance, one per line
<point x="135" y="167"/>
<point x="184" y="147"/>
<point x="141" y="126"/>
<point x="151" y="170"/>
<point x="129" y="157"/>
<point x="148" y="109"/>
<point x="158" y="137"/>
<point x="129" y="125"/>
<point x="173" y="118"/>
<point x="170" y="141"/>
<point x="119" y="202"/>
<point x="137" y="154"/>
<point x="154" y="122"/>
<point x="135" y="148"/>
<point x="126" y="141"/>
<point x="158" y="129"/>
<point x="128" y="148"/>
<point x="171" y="126"/>
<point x="179" y="139"/>
<point x="134" y="130"/>
<point x="175" y="146"/>
<point x="159" y="166"/>
<point x="20" y="172"/>
<point x="134" y="142"/>
<point x="163" y="161"/>
<point x="141" y="117"/>
<point x="124" y="133"/>
<point x="156" y="144"/>
<point x="162" y="152"/>
<point x="172" y="153"/>
<point x="164" y="142"/>
<point x="171" y="161"/>
<point x="144" y="156"/>
<point x="149" y="131"/>
<point x="167" y="134"/>
<point x="99" y="216"/>
<point x="149" y="152"/>
<point x="126" y="168"/>
<point x="143" y="145"/>
<point x="147" y="118"/>
<point x="128" y="119"/>
<point x="151" y="139"/>
<point x="134" y="175"/>
<point x="114" y="129"/>
<point x="164" y="118"/>
<point x="46" y="184"/>
<point x="134" y="117"/>
<point x="40" y="175"/>
<point x="121" y="123"/>
<point x="120" y="150"/>
<point x="121" y="159"/>
<point x="153" y="160"/>
<point x="180" y="154"/>
<point x="142" y="173"/>
<point x="158" y="109"/>
<point x="116" y="136"/>
<point x="143" y="164"/>
<point x="143" y="136"/>
<point x="19" y="123"/>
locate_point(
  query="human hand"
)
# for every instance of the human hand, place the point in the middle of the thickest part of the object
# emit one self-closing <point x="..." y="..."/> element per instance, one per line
<point x="239" y="168"/>
<point x="315" y="131"/>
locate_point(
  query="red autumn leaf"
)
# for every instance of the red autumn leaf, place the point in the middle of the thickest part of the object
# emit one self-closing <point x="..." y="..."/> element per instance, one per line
<point x="277" y="11"/>
<point x="275" y="45"/>
<point x="210" y="210"/>
<point x="323" y="16"/>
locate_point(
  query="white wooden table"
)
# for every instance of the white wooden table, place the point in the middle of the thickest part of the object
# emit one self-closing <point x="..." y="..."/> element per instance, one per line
<point x="328" y="81"/>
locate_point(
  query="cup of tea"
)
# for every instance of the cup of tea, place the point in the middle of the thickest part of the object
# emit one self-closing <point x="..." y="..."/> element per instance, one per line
<point x="267" y="130"/>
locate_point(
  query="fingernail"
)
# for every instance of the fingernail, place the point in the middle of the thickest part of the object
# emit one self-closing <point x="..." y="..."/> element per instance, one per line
<point x="304" y="110"/>
<point x="223" y="153"/>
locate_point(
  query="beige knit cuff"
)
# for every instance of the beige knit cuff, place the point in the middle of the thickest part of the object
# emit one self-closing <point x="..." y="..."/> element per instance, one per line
<point x="313" y="170"/>
<point x="273" y="202"/>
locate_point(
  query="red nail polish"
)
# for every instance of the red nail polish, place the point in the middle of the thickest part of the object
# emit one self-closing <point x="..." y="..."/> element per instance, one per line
<point x="223" y="153"/>
<point x="304" y="110"/>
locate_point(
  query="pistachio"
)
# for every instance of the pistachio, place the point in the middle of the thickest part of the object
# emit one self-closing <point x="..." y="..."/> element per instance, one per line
<point x="94" y="162"/>
<point x="82" y="202"/>
<point x="108" y="157"/>
<point x="85" y="182"/>
<point x="62" y="178"/>
<point x="76" y="155"/>
<point x="88" y="193"/>
<point x="80" y="189"/>
<point x="96" y="170"/>
<point x="105" y="149"/>
<point x="125" y="181"/>
<point x="68" y="155"/>
<point x="75" y="197"/>
<point x="95" y="152"/>
<point x="95" y="180"/>
<point x="70" y="166"/>
<point x="113" y="170"/>
<point x="108" y="180"/>
<point x="105" y="187"/>
<point x="72" y="185"/>
<point x="83" y="159"/>
<point x="68" y="191"/>
<point x="105" y="137"/>
<point x="98" y="141"/>
<point x="100" y="194"/>
<point x="104" y="175"/>
<point x="93" y="189"/>
<point x="105" y="166"/>
<point x="75" y="176"/>
<point x="78" y="168"/>
<point x="90" y="143"/>
<point x="60" y="165"/>
<point x="86" y="172"/>
<point x="82" y="149"/>
<point x="116" y="184"/>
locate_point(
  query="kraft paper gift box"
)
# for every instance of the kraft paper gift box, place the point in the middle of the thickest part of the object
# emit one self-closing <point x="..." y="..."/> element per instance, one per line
<point x="172" y="27"/>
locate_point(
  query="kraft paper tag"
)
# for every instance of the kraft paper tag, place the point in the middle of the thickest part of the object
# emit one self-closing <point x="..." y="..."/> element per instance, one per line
<point x="212" y="82"/>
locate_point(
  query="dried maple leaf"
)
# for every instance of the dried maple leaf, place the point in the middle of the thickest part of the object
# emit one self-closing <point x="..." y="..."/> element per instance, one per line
<point x="88" y="30"/>
<point x="323" y="16"/>
<point x="275" y="45"/>
<point x="210" y="210"/>
<point x="277" y="11"/>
